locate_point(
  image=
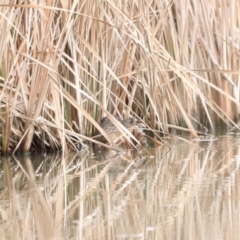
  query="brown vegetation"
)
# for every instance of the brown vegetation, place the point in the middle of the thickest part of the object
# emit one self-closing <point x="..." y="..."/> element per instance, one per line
<point x="66" y="64"/>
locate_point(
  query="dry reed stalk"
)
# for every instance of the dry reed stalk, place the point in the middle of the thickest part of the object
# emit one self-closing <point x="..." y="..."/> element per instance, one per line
<point x="148" y="60"/>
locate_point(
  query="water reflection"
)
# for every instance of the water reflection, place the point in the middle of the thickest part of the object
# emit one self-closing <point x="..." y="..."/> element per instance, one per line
<point x="190" y="191"/>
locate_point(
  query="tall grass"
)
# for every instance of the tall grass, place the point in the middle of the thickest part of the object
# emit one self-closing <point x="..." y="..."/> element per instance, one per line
<point x="64" y="65"/>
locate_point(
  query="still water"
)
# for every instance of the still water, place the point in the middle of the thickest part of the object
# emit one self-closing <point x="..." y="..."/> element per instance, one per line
<point x="188" y="191"/>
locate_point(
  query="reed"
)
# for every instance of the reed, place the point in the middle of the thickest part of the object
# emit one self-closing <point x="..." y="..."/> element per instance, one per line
<point x="65" y="65"/>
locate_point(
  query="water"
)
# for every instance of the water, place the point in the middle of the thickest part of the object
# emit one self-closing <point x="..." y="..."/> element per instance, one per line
<point x="190" y="191"/>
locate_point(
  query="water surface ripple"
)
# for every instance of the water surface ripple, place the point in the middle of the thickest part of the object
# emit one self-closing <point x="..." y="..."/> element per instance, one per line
<point x="189" y="191"/>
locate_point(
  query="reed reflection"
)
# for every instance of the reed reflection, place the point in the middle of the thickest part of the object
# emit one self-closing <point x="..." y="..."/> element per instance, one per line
<point x="187" y="192"/>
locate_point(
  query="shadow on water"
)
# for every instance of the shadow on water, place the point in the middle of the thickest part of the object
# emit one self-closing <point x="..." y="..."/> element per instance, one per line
<point x="190" y="191"/>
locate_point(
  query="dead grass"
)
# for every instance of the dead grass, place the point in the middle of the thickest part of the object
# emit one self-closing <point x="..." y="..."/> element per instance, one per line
<point x="173" y="64"/>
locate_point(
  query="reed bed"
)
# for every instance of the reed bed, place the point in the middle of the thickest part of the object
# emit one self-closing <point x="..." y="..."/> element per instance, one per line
<point x="66" y="64"/>
<point x="187" y="193"/>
